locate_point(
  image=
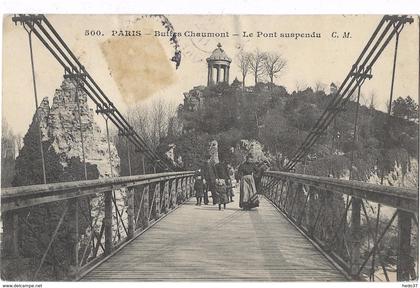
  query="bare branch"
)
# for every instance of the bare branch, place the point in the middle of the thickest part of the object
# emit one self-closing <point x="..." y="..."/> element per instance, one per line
<point x="319" y="86"/>
<point x="151" y="121"/>
<point x="274" y="63"/>
<point x="256" y="64"/>
<point x="243" y="65"/>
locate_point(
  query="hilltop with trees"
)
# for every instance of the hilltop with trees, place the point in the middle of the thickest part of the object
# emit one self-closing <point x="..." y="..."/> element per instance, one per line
<point x="280" y="121"/>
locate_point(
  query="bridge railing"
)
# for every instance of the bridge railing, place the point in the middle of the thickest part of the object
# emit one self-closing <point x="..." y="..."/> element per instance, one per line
<point x="62" y="230"/>
<point x="365" y="229"/>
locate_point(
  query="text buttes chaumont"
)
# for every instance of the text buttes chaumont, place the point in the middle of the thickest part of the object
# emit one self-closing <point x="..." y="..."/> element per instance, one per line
<point x="257" y="34"/>
<point x="190" y="33"/>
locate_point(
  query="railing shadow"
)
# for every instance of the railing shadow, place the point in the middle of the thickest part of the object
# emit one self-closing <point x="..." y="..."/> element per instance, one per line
<point x="366" y="230"/>
<point x="61" y="231"/>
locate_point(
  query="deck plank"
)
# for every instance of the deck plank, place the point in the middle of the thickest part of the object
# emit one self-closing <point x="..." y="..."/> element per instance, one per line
<point x="201" y="243"/>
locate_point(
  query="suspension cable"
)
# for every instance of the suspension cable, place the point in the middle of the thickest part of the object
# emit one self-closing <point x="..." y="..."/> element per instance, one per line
<point x="372" y="274"/>
<point x="398" y="31"/>
<point x="355" y="130"/>
<point x="397" y="37"/>
<point x="50" y="38"/>
<point x="363" y="63"/>
<point x="127" y="144"/>
<point x="37" y="114"/>
<point x="77" y="83"/>
<point x="128" y="156"/>
<point x="388" y="116"/>
<point x="109" y="146"/>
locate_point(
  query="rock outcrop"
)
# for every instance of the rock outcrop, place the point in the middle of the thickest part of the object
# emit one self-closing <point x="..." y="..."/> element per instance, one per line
<point x="60" y="126"/>
<point x="213" y="151"/>
<point x="253" y="148"/>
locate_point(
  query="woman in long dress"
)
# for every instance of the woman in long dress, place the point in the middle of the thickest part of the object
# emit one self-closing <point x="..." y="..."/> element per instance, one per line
<point x="210" y="177"/>
<point x="248" y="193"/>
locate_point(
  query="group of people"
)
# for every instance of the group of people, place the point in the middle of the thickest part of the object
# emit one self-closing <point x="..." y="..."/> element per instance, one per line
<point x="219" y="179"/>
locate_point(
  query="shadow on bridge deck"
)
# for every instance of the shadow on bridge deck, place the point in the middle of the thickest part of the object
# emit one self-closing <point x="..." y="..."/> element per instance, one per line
<point x="203" y="243"/>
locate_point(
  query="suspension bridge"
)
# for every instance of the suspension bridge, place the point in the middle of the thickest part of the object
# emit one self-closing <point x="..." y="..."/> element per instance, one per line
<point x="157" y="233"/>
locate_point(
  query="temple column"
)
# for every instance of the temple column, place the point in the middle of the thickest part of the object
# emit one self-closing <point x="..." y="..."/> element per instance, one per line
<point x="227" y="74"/>
<point x="220" y="62"/>
<point x="224" y="73"/>
<point x="210" y="75"/>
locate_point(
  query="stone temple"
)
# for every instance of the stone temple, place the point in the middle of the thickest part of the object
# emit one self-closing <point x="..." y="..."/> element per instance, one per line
<point x="217" y="72"/>
<point x="218" y="66"/>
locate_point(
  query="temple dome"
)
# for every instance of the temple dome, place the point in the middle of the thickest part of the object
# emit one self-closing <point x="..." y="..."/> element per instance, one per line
<point x="219" y="55"/>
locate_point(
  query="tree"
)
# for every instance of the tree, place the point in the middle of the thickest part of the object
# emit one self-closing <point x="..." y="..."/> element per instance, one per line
<point x="8" y="148"/>
<point x="154" y="122"/>
<point x="256" y="64"/>
<point x="400" y="108"/>
<point x="319" y="86"/>
<point x="333" y="88"/>
<point x="300" y="85"/>
<point x="405" y="108"/>
<point x="243" y="65"/>
<point x="161" y="113"/>
<point x="372" y="101"/>
<point x="412" y="107"/>
<point x="151" y="121"/>
<point x="274" y="63"/>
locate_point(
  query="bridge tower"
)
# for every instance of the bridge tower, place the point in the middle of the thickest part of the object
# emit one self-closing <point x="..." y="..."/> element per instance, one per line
<point x="218" y="66"/>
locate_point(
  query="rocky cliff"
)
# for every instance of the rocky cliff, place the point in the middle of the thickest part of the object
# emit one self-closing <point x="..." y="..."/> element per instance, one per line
<point x="60" y="124"/>
<point x="60" y="127"/>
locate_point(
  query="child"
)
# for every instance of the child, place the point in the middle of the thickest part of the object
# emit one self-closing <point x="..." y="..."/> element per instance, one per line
<point x="199" y="188"/>
<point x="222" y="193"/>
<point x="230" y="190"/>
<point x="231" y="182"/>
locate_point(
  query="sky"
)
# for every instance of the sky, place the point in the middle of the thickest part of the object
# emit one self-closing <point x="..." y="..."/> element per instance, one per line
<point x="135" y="70"/>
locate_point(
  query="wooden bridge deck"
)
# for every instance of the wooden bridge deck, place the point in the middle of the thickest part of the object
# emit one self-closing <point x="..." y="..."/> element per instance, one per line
<point x="201" y="243"/>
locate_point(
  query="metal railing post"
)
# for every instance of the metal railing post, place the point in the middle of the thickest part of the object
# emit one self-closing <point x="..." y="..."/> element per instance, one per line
<point x="157" y="200"/>
<point x="130" y="212"/>
<point x="146" y="206"/>
<point x="191" y="186"/>
<point x="355" y="236"/>
<point x="15" y="234"/>
<point x="186" y="188"/>
<point x="10" y="233"/>
<point x="274" y="191"/>
<point x="75" y="203"/>
<point x="295" y="190"/>
<point x="288" y="188"/>
<point x="303" y="211"/>
<point x="108" y="222"/>
<point x="184" y="191"/>
<point x="279" y="195"/>
<point x="404" y="246"/>
<point x="165" y="196"/>
<point x="176" y="193"/>
<point x="173" y="193"/>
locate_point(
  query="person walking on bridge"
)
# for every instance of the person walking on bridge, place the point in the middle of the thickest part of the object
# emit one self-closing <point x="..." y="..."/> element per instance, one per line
<point x="199" y="186"/>
<point x="231" y="183"/>
<point x="261" y="168"/>
<point x="248" y="197"/>
<point x="210" y="177"/>
<point x="222" y="177"/>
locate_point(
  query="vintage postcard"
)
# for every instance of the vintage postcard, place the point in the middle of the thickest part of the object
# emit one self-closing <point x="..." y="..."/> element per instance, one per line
<point x="277" y="148"/>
